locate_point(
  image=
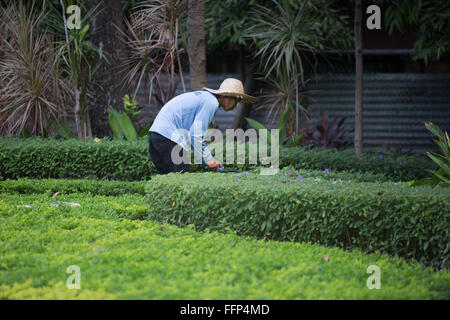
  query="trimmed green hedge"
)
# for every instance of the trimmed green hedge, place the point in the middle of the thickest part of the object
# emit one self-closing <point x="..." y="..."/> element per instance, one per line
<point x="394" y="167"/>
<point x="126" y="259"/>
<point x="63" y="186"/>
<point x="114" y="188"/>
<point x="393" y="218"/>
<point x="130" y="160"/>
<point x="74" y="159"/>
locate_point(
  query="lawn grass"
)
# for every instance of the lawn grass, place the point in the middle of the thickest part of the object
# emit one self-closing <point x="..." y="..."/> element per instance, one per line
<point x="122" y="258"/>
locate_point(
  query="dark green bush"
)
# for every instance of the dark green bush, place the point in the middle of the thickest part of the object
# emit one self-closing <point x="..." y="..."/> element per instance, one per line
<point x="130" y="160"/>
<point x="74" y="159"/>
<point x="394" y="167"/>
<point x="389" y="217"/>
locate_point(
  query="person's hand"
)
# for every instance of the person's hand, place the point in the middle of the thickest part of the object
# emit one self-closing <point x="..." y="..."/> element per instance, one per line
<point x="214" y="164"/>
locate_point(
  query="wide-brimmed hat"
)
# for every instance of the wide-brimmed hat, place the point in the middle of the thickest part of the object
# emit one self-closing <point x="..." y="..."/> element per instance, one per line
<point x="233" y="88"/>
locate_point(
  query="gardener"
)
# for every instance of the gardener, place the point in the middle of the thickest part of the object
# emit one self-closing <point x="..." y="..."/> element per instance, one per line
<point x="191" y="113"/>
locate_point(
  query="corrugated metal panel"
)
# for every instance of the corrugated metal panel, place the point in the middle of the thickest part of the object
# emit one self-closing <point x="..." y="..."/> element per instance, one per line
<point x="395" y="107"/>
<point x="223" y="119"/>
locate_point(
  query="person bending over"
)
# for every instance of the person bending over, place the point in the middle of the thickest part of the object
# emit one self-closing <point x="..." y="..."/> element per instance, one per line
<point x="182" y="114"/>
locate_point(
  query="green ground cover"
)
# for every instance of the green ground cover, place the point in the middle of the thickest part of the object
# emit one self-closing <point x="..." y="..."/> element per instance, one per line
<point x="123" y="257"/>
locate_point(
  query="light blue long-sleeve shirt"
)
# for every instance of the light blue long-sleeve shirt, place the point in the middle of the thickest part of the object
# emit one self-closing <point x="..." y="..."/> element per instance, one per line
<point x="187" y="116"/>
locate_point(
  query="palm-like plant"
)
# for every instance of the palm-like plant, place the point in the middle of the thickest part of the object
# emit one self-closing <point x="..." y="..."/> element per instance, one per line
<point x="288" y="37"/>
<point x="31" y="92"/>
<point x="153" y="46"/>
<point x="75" y="56"/>
<point x="442" y="175"/>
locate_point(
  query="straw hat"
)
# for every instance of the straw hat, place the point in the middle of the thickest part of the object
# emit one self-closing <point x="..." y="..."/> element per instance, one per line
<point x="233" y="88"/>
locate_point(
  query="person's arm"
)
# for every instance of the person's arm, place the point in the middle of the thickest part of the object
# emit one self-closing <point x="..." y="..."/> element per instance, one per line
<point x="198" y="131"/>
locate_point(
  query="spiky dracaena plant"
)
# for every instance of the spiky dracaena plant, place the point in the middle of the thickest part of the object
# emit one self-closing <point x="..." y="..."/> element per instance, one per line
<point x="153" y="37"/>
<point x="31" y="92"/>
<point x="288" y="36"/>
<point x="76" y="57"/>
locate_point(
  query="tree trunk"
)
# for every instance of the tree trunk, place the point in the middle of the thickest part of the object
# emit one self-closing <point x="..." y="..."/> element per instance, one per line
<point x="196" y="47"/>
<point x="246" y="75"/>
<point x="358" y="139"/>
<point x="109" y="92"/>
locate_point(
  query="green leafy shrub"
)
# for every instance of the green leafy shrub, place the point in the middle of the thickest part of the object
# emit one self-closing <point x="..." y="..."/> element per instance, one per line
<point x="63" y="186"/>
<point x="395" y="167"/>
<point x="390" y="217"/>
<point x="441" y="176"/>
<point x="130" y="160"/>
<point x="133" y="259"/>
<point x="50" y="158"/>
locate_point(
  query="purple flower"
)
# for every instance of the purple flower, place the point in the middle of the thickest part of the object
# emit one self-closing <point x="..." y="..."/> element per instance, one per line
<point x="301" y="180"/>
<point x="297" y="172"/>
<point x="381" y="156"/>
<point x="395" y="183"/>
<point x="224" y="179"/>
<point x="326" y="171"/>
<point x="301" y="177"/>
<point x="284" y="176"/>
<point x="289" y="172"/>
<point x="404" y="162"/>
<point x="237" y="179"/>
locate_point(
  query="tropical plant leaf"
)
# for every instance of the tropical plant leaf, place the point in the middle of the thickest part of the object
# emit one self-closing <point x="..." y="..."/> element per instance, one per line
<point x="144" y="131"/>
<point x="440" y="174"/>
<point x="258" y="126"/>
<point x="297" y="139"/>
<point x="63" y="130"/>
<point x="127" y="127"/>
<point x="434" y="129"/>
<point x="441" y="161"/>
<point x="115" y="123"/>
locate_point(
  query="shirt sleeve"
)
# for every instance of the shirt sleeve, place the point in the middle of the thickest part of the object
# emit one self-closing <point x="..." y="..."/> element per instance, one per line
<point x="199" y="128"/>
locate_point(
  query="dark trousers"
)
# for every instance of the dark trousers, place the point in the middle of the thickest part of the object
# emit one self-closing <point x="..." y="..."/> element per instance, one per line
<point x="160" y="149"/>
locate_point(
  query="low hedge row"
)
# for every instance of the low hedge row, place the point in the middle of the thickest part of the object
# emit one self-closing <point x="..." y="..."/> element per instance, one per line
<point x="73" y="159"/>
<point x="395" y="167"/>
<point x="125" y="160"/>
<point x="117" y="207"/>
<point x="125" y="259"/>
<point x="64" y="186"/>
<point x="390" y="217"/>
<point x="115" y="188"/>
